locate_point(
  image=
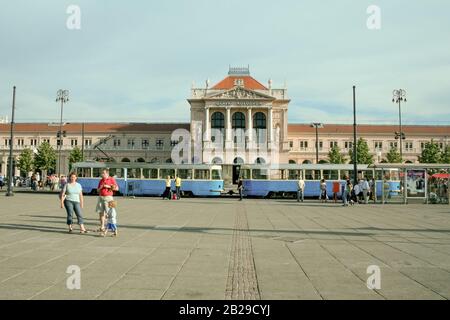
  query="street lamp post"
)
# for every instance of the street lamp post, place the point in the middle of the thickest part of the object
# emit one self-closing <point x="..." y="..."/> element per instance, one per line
<point x="399" y="96"/>
<point x="355" y="142"/>
<point x="318" y="126"/>
<point x="63" y="97"/>
<point x="10" y="193"/>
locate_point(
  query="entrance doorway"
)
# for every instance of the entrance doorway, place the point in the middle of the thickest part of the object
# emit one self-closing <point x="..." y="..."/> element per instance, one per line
<point x="237" y="162"/>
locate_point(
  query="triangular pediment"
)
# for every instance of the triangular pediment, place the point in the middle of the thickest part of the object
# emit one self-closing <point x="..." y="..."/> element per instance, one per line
<point x="240" y="93"/>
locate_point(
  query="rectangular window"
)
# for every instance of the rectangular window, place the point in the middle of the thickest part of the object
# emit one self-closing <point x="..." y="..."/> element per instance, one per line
<point x="59" y="142"/>
<point x="159" y="144"/>
<point x="20" y="142"/>
<point x="116" y="142"/>
<point x="33" y="142"/>
<point x="130" y="143"/>
<point x="320" y="145"/>
<point x="201" y="174"/>
<point x="378" y="145"/>
<point x="87" y="142"/>
<point x="291" y="144"/>
<point x="409" y="146"/>
<point x="150" y="173"/>
<point x="173" y="143"/>
<point x="185" y="173"/>
<point x="46" y="140"/>
<point x="348" y="145"/>
<point x="393" y="145"/>
<point x="333" y="144"/>
<point x="73" y="142"/>
<point x="303" y="145"/>
<point x="145" y="143"/>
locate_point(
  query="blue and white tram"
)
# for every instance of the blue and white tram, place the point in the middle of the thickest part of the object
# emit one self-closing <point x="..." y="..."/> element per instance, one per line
<point x="281" y="180"/>
<point x="145" y="179"/>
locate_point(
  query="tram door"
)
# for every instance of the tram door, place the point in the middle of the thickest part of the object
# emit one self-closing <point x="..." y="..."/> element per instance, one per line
<point x="236" y="172"/>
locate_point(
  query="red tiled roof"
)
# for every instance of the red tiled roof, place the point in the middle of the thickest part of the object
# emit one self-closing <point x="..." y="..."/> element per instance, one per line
<point x="229" y="83"/>
<point x="369" y="129"/>
<point x="95" y="127"/>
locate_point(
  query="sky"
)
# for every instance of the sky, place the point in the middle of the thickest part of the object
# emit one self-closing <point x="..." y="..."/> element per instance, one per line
<point x="135" y="61"/>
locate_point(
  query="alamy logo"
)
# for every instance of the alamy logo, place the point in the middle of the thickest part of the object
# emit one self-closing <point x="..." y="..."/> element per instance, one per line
<point x="73" y="282"/>
<point x="74" y="20"/>
<point x="374" y="20"/>
<point x="374" y="280"/>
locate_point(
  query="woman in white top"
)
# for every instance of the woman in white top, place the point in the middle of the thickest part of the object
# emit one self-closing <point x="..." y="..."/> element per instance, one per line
<point x="72" y="199"/>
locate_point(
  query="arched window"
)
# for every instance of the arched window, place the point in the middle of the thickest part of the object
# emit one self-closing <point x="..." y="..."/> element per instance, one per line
<point x="292" y="162"/>
<point x="125" y="160"/>
<point x="217" y="160"/>
<point x="238" y="124"/>
<point x="217" y="127"/>
<point x="169" y="160"/>
<point x="259" y="121"/>
<point x="154" y="160"/>
<point x="238" y="120"/>
<point x="217" y="120"/>
<point x="260" y="127"/>
<point x="260" y="161"/>
<point x="140" y="160"/>
<point x="307" y="162"/>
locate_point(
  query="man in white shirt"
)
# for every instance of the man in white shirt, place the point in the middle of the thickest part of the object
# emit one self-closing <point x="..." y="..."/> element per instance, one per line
<point x="365" y="189"/>
<point x="300" y="190"/>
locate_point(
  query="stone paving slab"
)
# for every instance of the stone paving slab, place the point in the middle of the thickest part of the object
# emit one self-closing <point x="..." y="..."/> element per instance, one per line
<point x="225" y="249"/>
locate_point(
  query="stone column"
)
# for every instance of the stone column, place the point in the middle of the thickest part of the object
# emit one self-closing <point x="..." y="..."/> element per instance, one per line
<point x="228" y="125"/>
<point x="207" y="125"/>
<point x="270" y="126"/>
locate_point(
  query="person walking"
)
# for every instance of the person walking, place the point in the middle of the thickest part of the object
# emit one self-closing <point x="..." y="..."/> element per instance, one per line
<point x="112" y="219"/>
<point x="167" y="191"/>
<point x="323" y="191"/>
<point x="178" y="187"/>
<point x="365" y="189"/>
<point x="300" y="189"/>
<point x="2" y="181"/>
<point x="240" y="189"/>
<point x="106" y="187"/>
<point x="336" y="190"/>
<point x="72" y="200"/>
<point x="346" y="190"/>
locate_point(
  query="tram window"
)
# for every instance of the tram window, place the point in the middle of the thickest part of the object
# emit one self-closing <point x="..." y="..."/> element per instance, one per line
<point x="368" y="175"/>
<point x="163" y="173"/>
<point x="260" y="174"/>
<point x="84" y="172"/>
<point x="150" y="173"/>
<point x="294" y="174"/>
<point x="330" y="175"/>
<point x="312" y="175"/>
<point x="277" y="174"/>
<point x="201" y="174"/>
<point x="185" y="173"/>
<point x="394" y="175"/>
<point x="97" y="172"/>
<point x="379" y="175"/>
<point x="345" y="175"/>
<point x="215" y="174"/>
<point x="133" y="173"/>
<point x="245" y="173"/>
<point x="116" y="172"/>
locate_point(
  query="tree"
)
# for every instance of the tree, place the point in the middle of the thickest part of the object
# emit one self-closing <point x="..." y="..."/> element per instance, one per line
<point x="445" y="155"/>
<point x="430" y="153"/>
<point x="394" y="156"/>
<point x="335" y="156"/>
<point x="45" y="158"/>
<point x="75" y="156"/>
<point x="26" y="161"/>
<point x="363" y="155"/>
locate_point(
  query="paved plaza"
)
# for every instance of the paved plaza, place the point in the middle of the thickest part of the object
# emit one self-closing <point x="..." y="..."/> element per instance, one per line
<point x="225" y="249"/>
